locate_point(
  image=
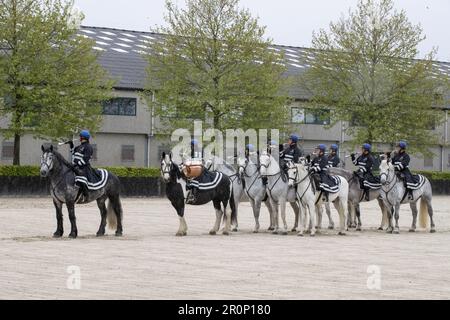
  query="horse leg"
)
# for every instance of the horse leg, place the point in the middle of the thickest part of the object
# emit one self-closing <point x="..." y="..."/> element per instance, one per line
<point x="219" y="214"/>
<point x="413" y="206"/>
<point x="236" y="204"/>
<point x="182" y="229"/>
<point x="283" y="216"/>
<point x="319" y="216"/>
<point x="430" y="214"/>
<point x="227" y="211"/>
<point x="103" y="213"/>
<point x="117" y="207"/>
<point x="302" y="221"/>
<point x="390" y="212"/>
<point x="59" y="220"/>
<point x="338" y="204"/>
<point x="384" y="215"/>
<point x="397" y="216"/>
<point x="271" y="214"/>
<point x="275" y="217"/>
<point x="357" y="209"/>
<point x="330" y="220"/>
<point x="73" y="221"/>
<point x="312" y="216"/>
<point x="297" y="213"/>
<point x="256" y="206"/>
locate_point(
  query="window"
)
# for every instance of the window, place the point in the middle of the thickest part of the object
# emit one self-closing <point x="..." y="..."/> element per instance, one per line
<point x="311" y="116"/>
<point x="127" y="153"/>
<point x="7" y="150"/>
<point x="428" y="162"/>
<point x="120" y="107"/>
<point x="94" y="152"/>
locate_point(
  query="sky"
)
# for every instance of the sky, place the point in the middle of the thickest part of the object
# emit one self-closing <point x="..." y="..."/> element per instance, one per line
<point x="289" y="22"/>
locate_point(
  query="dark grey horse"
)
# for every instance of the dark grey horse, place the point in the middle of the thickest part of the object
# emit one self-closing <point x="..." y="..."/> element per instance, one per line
<point x="63" y="190"/>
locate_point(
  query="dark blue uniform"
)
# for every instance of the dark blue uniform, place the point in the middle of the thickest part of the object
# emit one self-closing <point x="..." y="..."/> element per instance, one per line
<point x="333" y="161"/>
<point x="401" y="162"/>
<point x="291" y="153"/>
<point x="320" y="166"/>
<point x="365" y="165"/>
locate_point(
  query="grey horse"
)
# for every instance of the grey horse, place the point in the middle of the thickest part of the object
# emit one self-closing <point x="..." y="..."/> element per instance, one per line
<point x="63" y="190"/>
<point x="217" y="164"/>
<point x="279" y="191"/>
<point x="393" y="193"/>
<point x="356" y="196"/>
<point x="255" y="190"/>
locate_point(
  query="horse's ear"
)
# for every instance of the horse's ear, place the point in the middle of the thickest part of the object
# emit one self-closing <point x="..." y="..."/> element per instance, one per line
<point x="170" y="156"/>
<point x="163" y="156"/>
<point x="42" y="148"/>
<point x="388" y="155"/>
<point x="51" y="148"/>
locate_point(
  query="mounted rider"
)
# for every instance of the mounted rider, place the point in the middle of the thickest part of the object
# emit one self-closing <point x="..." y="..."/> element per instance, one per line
<point x="401" y="162"/>
<point x="81" y="156"/>
<point x="292" y="152"/>
<point x="319" y="168"/>
<point x="333" y="157"/>
<point x="365" y="163"/>
<point x="196" y="156"/>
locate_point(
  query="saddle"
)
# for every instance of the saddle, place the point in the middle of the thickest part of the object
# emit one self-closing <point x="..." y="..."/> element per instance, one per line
<point x="208" y="180"/>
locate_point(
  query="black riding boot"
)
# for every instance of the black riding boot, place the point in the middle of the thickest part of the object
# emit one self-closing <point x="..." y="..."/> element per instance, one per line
<point x="367" y="194"/>
<point x="191" y="197"/>
<point x="327" y="196"/>
<point x="410" y="194"/>
<point x="264" y="180"/>
<point x="84" y="191"/>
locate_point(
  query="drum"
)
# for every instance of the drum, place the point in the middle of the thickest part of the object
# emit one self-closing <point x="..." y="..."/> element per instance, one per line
<point x="193" y="168"/>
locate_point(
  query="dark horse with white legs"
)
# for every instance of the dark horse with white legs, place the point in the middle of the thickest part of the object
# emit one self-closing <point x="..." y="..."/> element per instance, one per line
<point x="221" y="195"/>
<point x="63" y="190"/>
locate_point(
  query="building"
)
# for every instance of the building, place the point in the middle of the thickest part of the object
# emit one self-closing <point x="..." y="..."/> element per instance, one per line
<point x="127" y="136"/>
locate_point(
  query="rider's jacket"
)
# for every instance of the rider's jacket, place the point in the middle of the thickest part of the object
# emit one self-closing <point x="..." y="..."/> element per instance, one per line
<point x="401" y="162"/>
<point x="333" y="161"/>
<point x="364" y="163"/>
<point x="82" y="154"/>
<point x="319" y="164"/>
<point x="291" y="153"/>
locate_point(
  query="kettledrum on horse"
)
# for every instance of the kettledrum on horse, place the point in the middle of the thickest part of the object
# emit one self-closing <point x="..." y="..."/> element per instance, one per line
<point x="191" y="183"/>
<point x="72" y="183"/>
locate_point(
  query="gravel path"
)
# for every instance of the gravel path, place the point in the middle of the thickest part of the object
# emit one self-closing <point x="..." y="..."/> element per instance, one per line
<point x="149" y="262"/>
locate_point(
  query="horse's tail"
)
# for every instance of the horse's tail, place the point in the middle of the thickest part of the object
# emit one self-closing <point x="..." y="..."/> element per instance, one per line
<point x="233" y="209"/>
<point x="111" y="216"/>
<point x="423" y="214"/>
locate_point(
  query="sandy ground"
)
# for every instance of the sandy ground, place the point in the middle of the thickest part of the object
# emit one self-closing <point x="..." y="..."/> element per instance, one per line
<point x="149" y="262"/>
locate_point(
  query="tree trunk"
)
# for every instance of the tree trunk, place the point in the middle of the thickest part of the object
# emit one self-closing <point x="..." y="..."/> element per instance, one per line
<point x="16" y="159"/>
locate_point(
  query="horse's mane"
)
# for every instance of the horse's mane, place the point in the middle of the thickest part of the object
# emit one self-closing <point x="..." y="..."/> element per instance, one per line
<point x="61" y="159"/>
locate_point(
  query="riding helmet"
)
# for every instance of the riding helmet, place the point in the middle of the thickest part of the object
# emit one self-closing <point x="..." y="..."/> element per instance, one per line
<point x="367" y="147"/>
<point x="334" y="147"/>
<point x="294" y="138"/>
<point x="85" y="134"/>
<point x="402" y="145"/>
<point x="322" y="147"/>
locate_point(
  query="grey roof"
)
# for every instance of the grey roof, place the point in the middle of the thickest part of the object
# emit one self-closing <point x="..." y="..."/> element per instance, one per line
<point x="121" y="55"/>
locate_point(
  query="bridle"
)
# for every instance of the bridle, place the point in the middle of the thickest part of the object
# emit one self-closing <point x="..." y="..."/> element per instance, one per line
<point x="166" y="168"/>
<point x="44" y="161"/>
<point x="296" y="183"/>
<point x="388" y="182"/>
<point x="256" y="173"/>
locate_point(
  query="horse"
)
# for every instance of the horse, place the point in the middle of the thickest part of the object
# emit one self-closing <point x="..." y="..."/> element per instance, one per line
<point x="217" y="164"/>
<point x="298" y="172"/>
<point x="301" y="180"/>
<point x="279" y="191"/>
<point x="176" y="192"/>
<point x="356" y="196"/>
<point x="255" y="190"/>
<point x="393" y="193"/>
<point x="63" y="190"/>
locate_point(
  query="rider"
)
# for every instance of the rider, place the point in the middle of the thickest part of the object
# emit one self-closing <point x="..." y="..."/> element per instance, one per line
<point x="292" y="152"/>
<point x="333" y="157"/>
<point x="401" y="162"/>
<point x="365" y="163"/>
<point x="195" y="154"/>
<point x="81" y="156"/>
<point x="319" y="165"/>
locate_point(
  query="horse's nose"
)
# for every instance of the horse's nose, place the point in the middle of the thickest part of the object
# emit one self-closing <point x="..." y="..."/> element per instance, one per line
<point x="43" y="173"/>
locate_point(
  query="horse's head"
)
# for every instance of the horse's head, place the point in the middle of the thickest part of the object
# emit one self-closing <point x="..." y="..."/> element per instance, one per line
<point x="385" y="168"/>
<point x="265" y="160"/>
<point x="47" y="160"/>
<point x="292" y="173"/>
<point x="166" y="166"/>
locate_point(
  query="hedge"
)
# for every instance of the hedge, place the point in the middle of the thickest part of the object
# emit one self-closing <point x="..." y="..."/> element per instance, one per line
<point x="29" y="171"/>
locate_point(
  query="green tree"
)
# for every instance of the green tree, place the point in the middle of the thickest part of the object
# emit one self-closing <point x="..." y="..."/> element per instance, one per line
<point x="365" y="67"/>
<point x="215" y="64"/>
<point x="49" y="76"/>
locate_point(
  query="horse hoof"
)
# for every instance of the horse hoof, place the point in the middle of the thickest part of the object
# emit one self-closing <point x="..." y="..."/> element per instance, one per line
<point x="330" y="227"/>
<point x="341" y="233"/>
<point x="294" y="230"/>
<point x="300" y="234"/>
<point x="432" y="231"/>
<point x="284" y="233"/>
<point x="73" y="235"/>
<point x="380" y="229"/>
<point x="226" y="233"/>
<point x="235" y="230"/>
<point x="119" y="233"/>
<point x="270" y="229"/>
<point x="57" y="235"/>
<point x="255" y="231"/>
<point x="396" y="231"/>
<point x="412" y="230"/>
<point x="312" y="235"/>
<point x="180" y="234"/>
<point x="212" y="233"/>
<point x="274" y="232"/>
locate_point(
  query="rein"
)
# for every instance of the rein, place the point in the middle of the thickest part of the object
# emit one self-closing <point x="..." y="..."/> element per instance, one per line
<point x="388" y="183"/>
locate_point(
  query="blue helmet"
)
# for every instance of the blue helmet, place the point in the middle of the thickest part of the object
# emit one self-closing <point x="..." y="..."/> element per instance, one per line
<point x="85" y="134"/>
<point x="322" y="147"/>
<point x="294" y="138"/>
<point x="250" y="147"/>
<point x="402" y="145"/>
<point x="194" y="142"/>
<point x="334" y="147"/>
<point x="367" y="147"/>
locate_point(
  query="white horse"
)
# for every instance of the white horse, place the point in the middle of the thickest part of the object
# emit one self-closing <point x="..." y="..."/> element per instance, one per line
<point x="300" y="179"/>
<point x="298" y="173"/>
<point x="394" y="194"/>
<point x="279" y="191"/>
<point x="255" y="190"/>
<point x="217" y="164"/>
